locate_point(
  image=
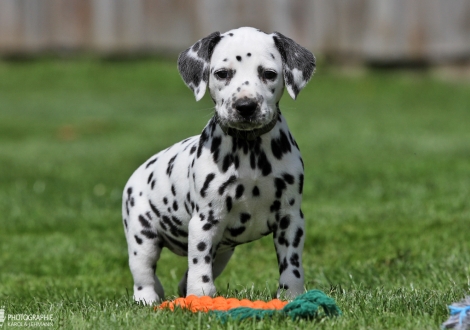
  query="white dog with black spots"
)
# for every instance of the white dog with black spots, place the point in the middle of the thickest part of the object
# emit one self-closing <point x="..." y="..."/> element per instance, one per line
<point x="240" y="180"/>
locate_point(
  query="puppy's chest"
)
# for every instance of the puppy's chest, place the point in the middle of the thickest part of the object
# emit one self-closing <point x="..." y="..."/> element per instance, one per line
<point x="245" y="200"/>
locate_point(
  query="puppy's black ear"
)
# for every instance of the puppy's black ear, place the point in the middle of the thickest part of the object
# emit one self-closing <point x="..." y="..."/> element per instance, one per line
<point x="298" y="63"/>
<point x="193" y="64"/>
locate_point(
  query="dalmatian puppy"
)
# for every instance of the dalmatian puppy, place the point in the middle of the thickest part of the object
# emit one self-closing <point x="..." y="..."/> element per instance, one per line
<point x="240" y="180"/>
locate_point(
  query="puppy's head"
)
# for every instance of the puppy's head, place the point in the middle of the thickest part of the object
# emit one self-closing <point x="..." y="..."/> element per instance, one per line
<point x="246" y="70"/>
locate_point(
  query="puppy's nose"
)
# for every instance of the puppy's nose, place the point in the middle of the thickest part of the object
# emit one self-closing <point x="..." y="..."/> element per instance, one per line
<point x="246" y="107"/>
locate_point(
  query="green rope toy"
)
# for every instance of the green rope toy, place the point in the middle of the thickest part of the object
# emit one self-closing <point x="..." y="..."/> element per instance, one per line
<point x="304" y="306"/>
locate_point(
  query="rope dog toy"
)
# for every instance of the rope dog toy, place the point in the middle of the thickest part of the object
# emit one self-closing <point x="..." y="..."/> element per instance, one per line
<point x="304" y="306"/>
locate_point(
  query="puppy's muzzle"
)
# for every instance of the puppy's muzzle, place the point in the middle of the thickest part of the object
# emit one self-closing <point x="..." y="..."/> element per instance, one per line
<point x="246" y="107"/>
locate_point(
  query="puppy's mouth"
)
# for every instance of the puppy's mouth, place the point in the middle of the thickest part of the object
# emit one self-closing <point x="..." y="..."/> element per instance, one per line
<point x="251" y="123"/>
<point x="244" y="123"/>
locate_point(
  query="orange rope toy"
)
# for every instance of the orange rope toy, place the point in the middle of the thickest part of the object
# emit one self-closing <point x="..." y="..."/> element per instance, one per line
<point x="206" y="303"/>
<point x="304" y="306"/>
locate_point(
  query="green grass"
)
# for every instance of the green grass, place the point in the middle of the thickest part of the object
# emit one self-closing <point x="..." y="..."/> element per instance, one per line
<point x="387" y="194"/>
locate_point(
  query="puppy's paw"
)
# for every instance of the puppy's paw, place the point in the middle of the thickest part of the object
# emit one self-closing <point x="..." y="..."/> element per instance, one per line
<point x="146" y="295"/>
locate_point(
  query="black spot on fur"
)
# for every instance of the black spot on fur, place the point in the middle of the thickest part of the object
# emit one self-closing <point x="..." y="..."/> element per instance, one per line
<point x="236" y="161"/>
<point x="151" y="162"/>
<point x="152" y="185"/>
<point x="205" y="278"/>
<point x="301" y="183"/>
<point x="139" y="288"/>
<point x="249" y="54"/>
<point x="244" y="217"/>
<point x="144" y="222"/>
<point x="282" y="239"/>
<point x="194" y="261"/>
<point x="275" y="206"/>
<point x="193" y="149"/>
<point x="202" y="140"/>
<point x="186" y="208"/>
<point x="215" y="148"/>
<point x="239" y="58"/>
<point x="280" y="145"/>
<point x="149" y="234"/>
<point x="239" y="191"/>
<point x="138" y="239"/>
<point x="165" y="200"/>
<point x="228" y="202"/>
<point x="294" y="260"/>
<point x="150" y="178"/>
<point x="255" y="191"/>
<point x="173" y="190"/>
<point x="174" y="230"/>
<point x="201" y="246"/>
<point x="154" y="209"/>
<point x="207" y="226"/>
<point x="175" y="206"/>
<point x="263" y="164"/>
<point x="207" y="259"/>
<point x="283" y="266"/>
<point x="280" y="185"/>
<point x="285" y="222"/>
<point x="205" y="186"/>
<point x="296" y="273"/>
<point x="224" y="185"/>
<point x="298" y="237"/>
<point x="288" y="178"/>
<point x="169" y="169"/>
<point x="177" y="221"/>
<point x="228" y="160"/>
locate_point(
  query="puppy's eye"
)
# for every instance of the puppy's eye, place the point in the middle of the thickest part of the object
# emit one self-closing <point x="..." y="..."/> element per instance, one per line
<point x="223" y="74"/>
<point x="270" y="75"/>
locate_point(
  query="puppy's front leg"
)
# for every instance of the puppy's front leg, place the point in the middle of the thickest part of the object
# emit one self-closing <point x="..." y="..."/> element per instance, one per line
<point x="289" y="242"/>
<point x="201" y="246"/>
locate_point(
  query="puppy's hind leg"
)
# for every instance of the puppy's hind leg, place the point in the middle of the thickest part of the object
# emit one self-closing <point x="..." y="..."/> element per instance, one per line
<point x="143" y="263"/>
<point x="144" y="248"/>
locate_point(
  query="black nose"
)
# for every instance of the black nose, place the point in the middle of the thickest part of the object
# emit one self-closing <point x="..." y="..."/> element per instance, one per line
<point x="246" y="107"/>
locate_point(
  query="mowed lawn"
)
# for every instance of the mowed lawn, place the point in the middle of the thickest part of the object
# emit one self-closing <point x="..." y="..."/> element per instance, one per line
<point x="386" y="196"/>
